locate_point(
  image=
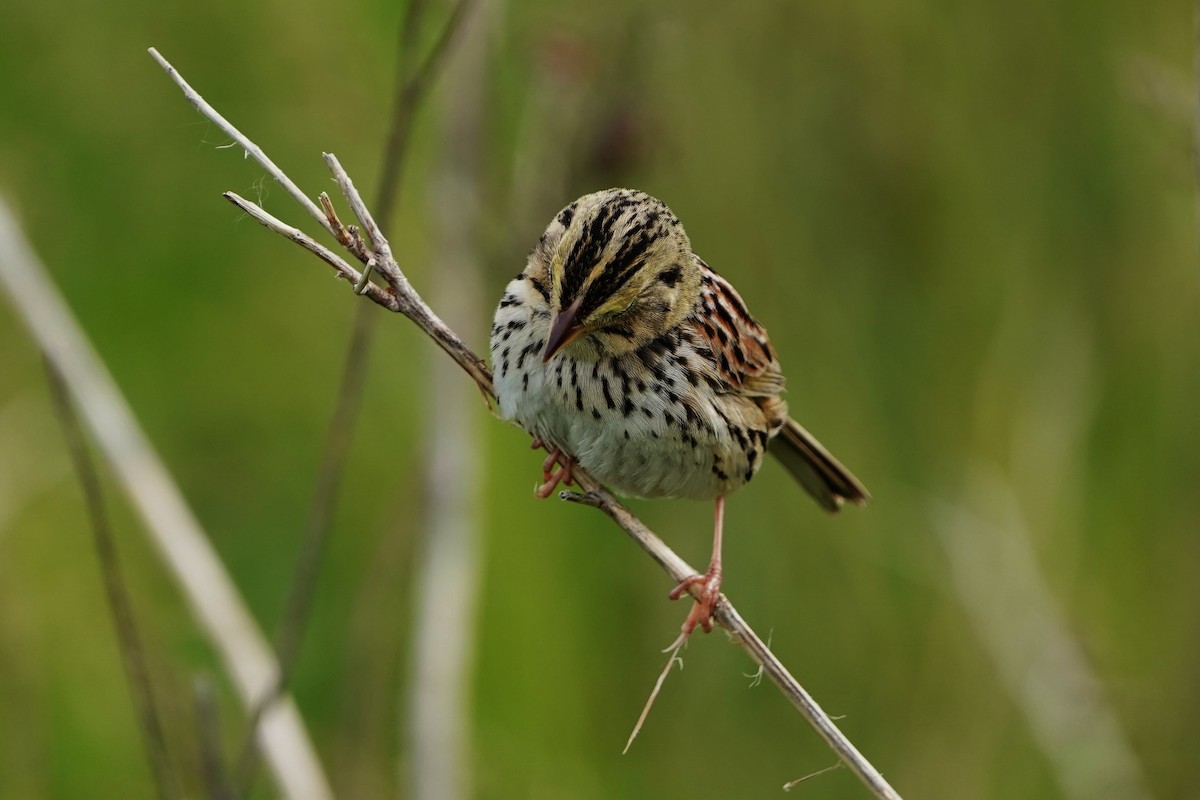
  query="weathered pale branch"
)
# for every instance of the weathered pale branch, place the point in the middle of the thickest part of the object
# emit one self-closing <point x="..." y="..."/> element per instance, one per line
<point x="253" y="150"/>
<point x="341" y="268"/>
<point x="172" y="526"/>
<point x="406" y="301"/>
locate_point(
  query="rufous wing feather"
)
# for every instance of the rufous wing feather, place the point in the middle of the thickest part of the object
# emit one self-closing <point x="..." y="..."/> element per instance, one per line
<point x="745" y="363"/>
<point x="741" y="352"/>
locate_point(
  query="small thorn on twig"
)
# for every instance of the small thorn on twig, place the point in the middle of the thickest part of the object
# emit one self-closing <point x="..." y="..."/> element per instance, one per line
<point x="756" y="678"/>
<point x="673" y="649"/>
<point x="787" y="787"/>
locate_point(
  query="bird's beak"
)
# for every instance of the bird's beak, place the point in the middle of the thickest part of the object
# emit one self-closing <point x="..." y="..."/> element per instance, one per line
<point x="564" y="329"/>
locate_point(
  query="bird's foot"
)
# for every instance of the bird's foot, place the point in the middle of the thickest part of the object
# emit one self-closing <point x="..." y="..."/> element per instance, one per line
<point x="556" y="469"/>
<point x="706" y="599"/>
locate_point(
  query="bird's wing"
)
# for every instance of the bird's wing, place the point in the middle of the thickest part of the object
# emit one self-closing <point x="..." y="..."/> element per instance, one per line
<point x="743" y="359"/>
<point x="741" y="352"/>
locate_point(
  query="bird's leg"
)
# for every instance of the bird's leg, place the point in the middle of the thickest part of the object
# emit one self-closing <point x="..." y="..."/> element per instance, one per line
<point x="709" y="582"/>
<point x="552" y="473"/>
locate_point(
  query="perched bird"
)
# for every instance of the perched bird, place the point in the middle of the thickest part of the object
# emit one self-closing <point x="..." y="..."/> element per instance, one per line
<point x="617" y="348"/>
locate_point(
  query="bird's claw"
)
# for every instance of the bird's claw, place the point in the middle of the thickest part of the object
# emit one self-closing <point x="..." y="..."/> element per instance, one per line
<point x="706" y="599"/>
<point x="556" y="469"/>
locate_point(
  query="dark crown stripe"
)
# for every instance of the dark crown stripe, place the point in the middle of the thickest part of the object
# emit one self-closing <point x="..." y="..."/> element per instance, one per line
<point x="585" y="252"/>
<point x="624" y="265"/>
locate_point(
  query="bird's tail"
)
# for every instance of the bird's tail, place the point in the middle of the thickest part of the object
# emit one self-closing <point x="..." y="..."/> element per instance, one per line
<point x="819" y="473"/>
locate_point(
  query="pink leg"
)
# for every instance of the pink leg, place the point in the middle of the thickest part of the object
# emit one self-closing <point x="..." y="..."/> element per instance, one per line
<point x="552" y="473"/>
<point x="709" y="582"/>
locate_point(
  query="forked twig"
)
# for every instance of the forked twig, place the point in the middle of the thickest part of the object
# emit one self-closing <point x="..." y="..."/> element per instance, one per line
<point x="401" y="297"/>
<point x="412" y="85"/>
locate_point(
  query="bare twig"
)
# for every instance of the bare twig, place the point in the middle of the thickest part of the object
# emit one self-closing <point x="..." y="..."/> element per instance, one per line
<point x="672" y="659"/>
<point x="173" y="528"/>
<point x="405" y="298"/>
<point x="253" y="150"/>
<point x="119" y="604"/>
<point x="744" y="636"/>
<point x="341" y="268"/>
<point x="410" y="304"/>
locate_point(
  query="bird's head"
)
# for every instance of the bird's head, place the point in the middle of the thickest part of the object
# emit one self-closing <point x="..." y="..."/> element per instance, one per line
<point x="620" y="273"/>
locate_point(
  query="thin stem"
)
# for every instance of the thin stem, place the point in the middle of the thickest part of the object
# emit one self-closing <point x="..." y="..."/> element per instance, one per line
<point x="133" y="659"/>
<point x="745" y="637"/>
<point x="208" y="736"/>
<point x="412" y="87"/>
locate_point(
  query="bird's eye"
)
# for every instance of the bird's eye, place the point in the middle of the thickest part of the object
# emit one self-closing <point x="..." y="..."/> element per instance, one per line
<point x="670" y="277"/>
<point x="617" y="313"/>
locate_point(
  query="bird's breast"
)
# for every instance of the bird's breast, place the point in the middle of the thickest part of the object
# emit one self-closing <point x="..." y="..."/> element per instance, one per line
<point x="637" y="422"/>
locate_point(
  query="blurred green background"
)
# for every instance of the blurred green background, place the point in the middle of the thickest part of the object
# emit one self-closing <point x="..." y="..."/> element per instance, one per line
<point x="969" y="227"/>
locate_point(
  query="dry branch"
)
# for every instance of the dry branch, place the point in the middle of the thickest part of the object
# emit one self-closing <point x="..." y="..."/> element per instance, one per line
<point x="402" y="298"/>
<point x="172" y="526"/>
